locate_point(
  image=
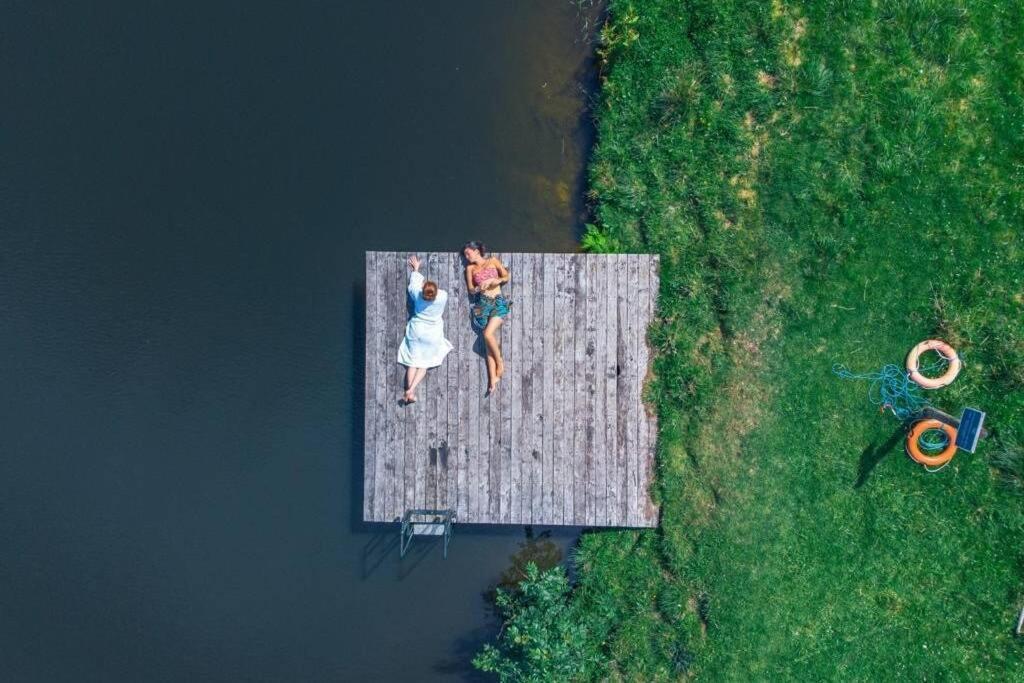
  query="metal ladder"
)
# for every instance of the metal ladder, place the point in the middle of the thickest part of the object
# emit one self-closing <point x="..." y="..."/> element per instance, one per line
<point x="426" y="523"/>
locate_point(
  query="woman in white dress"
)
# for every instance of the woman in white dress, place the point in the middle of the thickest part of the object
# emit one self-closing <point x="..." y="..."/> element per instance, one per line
<point x="424" y="345"/>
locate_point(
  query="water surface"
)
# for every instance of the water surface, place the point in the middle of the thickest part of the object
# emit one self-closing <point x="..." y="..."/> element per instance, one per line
<point x="186" y="193"/>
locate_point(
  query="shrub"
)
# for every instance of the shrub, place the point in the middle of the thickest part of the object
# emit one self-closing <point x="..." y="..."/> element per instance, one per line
<point x="542" y="639"/>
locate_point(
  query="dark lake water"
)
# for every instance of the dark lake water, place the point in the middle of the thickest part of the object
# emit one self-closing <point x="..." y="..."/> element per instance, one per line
<point x="186" y="193"/>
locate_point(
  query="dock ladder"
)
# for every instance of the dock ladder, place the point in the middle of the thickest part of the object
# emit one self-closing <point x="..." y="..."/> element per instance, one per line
<point x="426" y="523"/>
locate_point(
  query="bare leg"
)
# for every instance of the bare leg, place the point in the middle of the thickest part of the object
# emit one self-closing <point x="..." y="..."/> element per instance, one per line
<point x="410" y="373"/>
<point x="413" y="378"/>
<point x="492" y="372"/>
<point x="493" y="351"/>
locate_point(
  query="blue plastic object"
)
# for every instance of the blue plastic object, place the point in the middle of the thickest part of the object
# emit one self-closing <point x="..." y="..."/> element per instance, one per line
<point x="969" y="431"/>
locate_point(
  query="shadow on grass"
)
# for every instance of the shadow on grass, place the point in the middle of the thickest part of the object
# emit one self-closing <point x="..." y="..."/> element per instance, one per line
<point x="873" y="454"/>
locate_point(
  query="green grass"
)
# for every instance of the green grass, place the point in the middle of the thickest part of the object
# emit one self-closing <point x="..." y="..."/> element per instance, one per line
<point x="826" y="182"/>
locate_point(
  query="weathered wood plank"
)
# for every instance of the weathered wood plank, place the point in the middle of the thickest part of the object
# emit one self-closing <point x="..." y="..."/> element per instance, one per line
<point x="581" y="453"/>
<point x="441" y="440"/>
<point x="419" y="412"/>
<point x="621" y="388"/>
<point x="454" y="391"/>
<point x="383" y="487"/>
<point x="528" y="425"/>
<point x="384" y="431"/>
<point x="515" y="367"/>
<point x="463" y="342"/>
<point x="452" y="452"/>
<point x="564" y="427"/>
<point x="562" y="441"/>
<point x="522" y="399"/>
<point x="483" y="461"/>
<point x="375" y="354"/>
<point x="426" y="471"/>
<point x="438" y="406"/>
<point x="472" y="398"/>
<point x="505" y="409"/>
<point x="490" y="406"/>
<point x="626" y="386"/>
<point x="537" y="372"/>
<point x="614" y="485"/>
<point x="412" y="416"/>
<point x="546" y="334"/>
<point x="529" y="417"/>
<point x="370" y="480"/>
<point x="590" y="409"/>
<point x="394" y="332"/>
<point x="471" y="422"/>
<point x="435" y="407"/>
<point x="407" y="415"/>
<point x="485" y="465"/>
<point x="384" y="428"/>
<point x="601" y="454"/>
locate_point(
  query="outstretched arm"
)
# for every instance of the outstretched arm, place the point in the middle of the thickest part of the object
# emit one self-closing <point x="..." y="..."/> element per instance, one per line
<point x="415" y="277"/>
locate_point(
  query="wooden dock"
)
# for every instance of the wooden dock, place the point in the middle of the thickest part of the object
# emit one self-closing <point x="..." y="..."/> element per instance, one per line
<point x="566" y="440"/>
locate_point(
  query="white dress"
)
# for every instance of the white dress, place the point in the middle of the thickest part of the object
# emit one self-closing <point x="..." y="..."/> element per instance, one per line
<point x="424" y="345"/>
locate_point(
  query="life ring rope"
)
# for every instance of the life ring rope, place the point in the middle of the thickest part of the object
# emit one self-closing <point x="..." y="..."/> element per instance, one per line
<point x="914" y="446"/>
<point x="947" y="352"/>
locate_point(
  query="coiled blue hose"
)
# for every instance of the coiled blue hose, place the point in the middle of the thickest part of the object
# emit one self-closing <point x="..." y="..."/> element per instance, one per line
<point x="892" y="388"/>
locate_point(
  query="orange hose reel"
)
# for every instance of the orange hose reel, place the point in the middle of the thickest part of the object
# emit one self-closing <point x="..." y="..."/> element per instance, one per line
<point x="914" y="448"/>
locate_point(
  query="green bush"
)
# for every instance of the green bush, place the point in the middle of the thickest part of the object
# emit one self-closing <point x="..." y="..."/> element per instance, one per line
<point x="542" y="639"/>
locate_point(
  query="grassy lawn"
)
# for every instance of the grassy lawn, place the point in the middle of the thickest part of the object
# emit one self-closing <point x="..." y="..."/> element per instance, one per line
<point x="826" y="182"/>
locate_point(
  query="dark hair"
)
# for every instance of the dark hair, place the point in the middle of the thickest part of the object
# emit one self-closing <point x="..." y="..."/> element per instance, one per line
<point x="429" y="290"/>
<point x="476" y="244"/>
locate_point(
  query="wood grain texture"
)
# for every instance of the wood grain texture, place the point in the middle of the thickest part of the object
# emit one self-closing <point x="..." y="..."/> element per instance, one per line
<point x="505" y="408"/>
<point x="592" y="415"/>
<point x="370" y="408"/>
<point x="627" y="385"/>
<point x="565" y="440"/>
<point x="580" y="453"/>
<point x="547" y="398"/>
<point x="513" y="386"/>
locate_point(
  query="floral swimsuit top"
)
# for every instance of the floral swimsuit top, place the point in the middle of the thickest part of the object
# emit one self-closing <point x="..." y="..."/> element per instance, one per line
<point x="484" y="274"/>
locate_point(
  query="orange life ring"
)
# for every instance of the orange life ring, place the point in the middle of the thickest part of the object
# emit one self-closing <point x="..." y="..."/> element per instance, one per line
<point x="914" y="448"/>
<point x="947" y="351"/>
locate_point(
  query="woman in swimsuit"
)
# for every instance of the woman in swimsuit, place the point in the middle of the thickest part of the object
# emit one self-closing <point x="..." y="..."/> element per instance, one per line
<point x="484" y="277"/>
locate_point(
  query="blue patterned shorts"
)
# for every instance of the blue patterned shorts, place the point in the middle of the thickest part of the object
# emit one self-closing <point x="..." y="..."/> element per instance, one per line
<point x="486" y="308"/>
